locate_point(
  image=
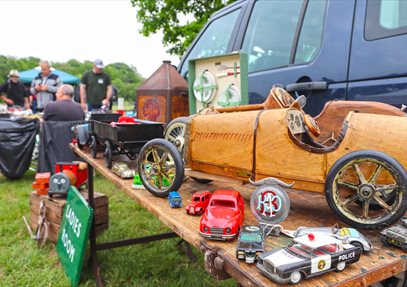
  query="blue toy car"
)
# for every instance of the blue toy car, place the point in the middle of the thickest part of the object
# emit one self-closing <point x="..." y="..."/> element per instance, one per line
<point x="174" y="199"/>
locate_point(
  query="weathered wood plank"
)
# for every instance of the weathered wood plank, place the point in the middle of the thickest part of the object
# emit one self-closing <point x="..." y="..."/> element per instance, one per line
<point x="307" y="209"/>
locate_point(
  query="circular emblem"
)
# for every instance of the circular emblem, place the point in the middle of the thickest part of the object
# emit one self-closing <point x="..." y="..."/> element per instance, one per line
<point x="151" y="110"/>
<point x="270" y="204"/>
<point x="321" y="264"/>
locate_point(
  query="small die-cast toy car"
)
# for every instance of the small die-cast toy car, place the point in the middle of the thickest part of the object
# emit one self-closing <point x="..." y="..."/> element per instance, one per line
<point x="307" y="256"/>
<point x="395" y="235"/>
<point x="200" y="201"/>
<point x="250" y="243"/>
<point x="174" y="199"/>
<point x="346" y="235"/>
<point x="223" y="218"/>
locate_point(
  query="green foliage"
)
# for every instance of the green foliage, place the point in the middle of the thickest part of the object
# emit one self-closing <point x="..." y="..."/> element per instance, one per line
<point x="161" y="263"/>
<point x="169" y="16"/>
<point x="124" y="77"/>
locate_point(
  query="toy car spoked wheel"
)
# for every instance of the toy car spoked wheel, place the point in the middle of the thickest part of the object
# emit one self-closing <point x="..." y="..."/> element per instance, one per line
<point x="160" y="167"/>
<point x="341" y="266"/>
<point x="108" y="154"/>
<point x="362" y="179"/>
<point x="93" y="146"/>
<point x="295" y="277"/>
<point x="175" y="132"/>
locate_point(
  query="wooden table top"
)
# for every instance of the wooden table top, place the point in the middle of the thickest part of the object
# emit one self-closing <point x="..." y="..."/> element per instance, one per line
<point x="307" y="209"/>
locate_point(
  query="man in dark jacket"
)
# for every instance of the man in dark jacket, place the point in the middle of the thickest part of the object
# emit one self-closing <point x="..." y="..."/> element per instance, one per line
<point x="13" y="91"/>
<point x="64" y="109"/>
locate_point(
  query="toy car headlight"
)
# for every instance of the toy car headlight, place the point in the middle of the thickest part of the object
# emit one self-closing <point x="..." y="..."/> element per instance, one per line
<point x="227" y="230"/>
<point x="206" y="228"/>
<point x="240" y="252"/>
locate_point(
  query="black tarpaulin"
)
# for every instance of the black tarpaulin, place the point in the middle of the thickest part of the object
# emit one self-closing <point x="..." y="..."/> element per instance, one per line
<point x="17" y="140"/>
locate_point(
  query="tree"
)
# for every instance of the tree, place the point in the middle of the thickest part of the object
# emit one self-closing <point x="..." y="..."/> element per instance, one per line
<point x="170" y="17"/>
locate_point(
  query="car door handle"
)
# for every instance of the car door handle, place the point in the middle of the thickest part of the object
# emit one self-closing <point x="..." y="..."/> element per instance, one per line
<point x="307" y="86"/>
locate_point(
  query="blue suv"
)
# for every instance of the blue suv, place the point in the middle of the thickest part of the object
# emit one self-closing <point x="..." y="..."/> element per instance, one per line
<point x="348" y="50"/>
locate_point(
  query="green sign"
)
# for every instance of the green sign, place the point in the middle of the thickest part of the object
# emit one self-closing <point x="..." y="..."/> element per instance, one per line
<point x="73" y="234"/>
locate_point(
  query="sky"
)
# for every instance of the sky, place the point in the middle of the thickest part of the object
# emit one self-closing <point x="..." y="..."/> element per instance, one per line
<point x="60" y="30"/>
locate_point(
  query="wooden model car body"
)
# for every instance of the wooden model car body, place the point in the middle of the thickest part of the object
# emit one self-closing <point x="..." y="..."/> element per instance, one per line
<point x="361" y="147"/>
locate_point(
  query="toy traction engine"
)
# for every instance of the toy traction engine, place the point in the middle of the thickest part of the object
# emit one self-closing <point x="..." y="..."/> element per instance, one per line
<point x="67" y="174"/>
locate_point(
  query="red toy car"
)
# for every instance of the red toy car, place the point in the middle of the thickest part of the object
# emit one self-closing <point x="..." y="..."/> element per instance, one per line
<point x="200" y="201"/>
<point x="223" y="218"/>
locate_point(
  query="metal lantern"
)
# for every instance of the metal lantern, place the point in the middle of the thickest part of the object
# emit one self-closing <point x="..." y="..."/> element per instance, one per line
<point x="163" y="96"/>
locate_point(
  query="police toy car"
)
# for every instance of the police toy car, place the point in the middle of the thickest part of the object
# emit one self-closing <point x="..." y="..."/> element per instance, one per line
<point x="307" y="256"/>
<point x="345" y="234"/>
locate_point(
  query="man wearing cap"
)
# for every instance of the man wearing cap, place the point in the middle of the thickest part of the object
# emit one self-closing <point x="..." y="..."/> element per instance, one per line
<point x="95" y="88"/>
<point x="13" y="91"/>
<point x="45" y="85"/>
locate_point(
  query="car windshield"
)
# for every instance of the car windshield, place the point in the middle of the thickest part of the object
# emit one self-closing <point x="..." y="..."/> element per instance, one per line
<point x="176" y="199"/>
<point x="223" y="203"/>
<point x="250" y="237"/>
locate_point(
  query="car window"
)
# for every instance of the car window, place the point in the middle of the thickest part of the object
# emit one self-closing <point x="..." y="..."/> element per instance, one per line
<point x="385" y="18"/>
<point x="223" y="203"/>
<point x="310" y="39"/>
<point x="214" y="40"/>
<point x="270" y="33"/>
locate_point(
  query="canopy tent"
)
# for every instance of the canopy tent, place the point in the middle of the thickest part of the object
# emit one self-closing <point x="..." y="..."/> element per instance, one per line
<point x="29" y="75"/>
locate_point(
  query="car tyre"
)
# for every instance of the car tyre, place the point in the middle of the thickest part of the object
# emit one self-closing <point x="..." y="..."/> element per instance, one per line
<point x="295" y="277"/>
<point x="175" y="132"/>
<point x="366" y="189"/>
<point x="341" y="266"/>
<point x="385" y="240"/>
<point x="357" y="244"/>
<point x="160" y="174"/>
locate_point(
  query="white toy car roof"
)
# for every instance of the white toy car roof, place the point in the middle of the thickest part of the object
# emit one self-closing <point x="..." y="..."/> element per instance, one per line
<point x="318" y="241"/>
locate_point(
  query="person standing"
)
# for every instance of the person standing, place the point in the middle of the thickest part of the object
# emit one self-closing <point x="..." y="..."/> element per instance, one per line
<point x="45" y="85"/>
<point x="95" y="87"/>
<point x="13" y="91"/>
<point x="64" y="108"/>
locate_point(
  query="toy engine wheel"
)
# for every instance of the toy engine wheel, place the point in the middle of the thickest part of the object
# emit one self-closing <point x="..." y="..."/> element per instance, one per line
<point x="160" y="167"/>
<point x="93" y="146"/>
<point x="175" y="132"/>
<point x="357" y="244"/>
<point x="108" y="154"/>
<point x="361" y="180"/>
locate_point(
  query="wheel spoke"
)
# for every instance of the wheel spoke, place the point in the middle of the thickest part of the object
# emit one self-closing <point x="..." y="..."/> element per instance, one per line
<point x="159" y="181"/>
<point x="171" y="138"/>
<point x="182" y="133"/>
<point x="382" y="203"/>
<point x="167" y="177"/>
<point x="366" y="210"/>
<point x="359" y="173"/>
<point x="348" y="185"/>
<point x="155" y="156"/>
<point x="349" y="200"/>
<point x="164" y="157"/>
<point x="373" y="177"/>
<point x="387" y="187"/>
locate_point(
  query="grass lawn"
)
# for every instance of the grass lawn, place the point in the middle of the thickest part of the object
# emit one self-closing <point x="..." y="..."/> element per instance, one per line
<point x="159" y="263"/>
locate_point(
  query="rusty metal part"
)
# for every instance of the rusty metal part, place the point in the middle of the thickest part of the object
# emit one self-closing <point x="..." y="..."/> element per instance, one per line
<point x="271" y="181"/>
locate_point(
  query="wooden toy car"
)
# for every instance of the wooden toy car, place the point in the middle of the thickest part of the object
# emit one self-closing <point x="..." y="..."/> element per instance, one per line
<point x="174" y="199"/>
<point x="200" y="201"/>
<point x="395" y="235"/>
<point x="345" y="234"/>
<point x="223" y="218"/>
<point x="356" y="157"/>
<point x="307" y="256"/>
<point x="250" y="243"/>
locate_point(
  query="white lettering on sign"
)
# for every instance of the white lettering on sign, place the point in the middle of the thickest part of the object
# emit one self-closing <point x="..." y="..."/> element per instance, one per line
<point x="347" y="256"/>
<point x="267" y="204"/>
<point x="69" y="248"/>
<point x="73" y="221"/>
